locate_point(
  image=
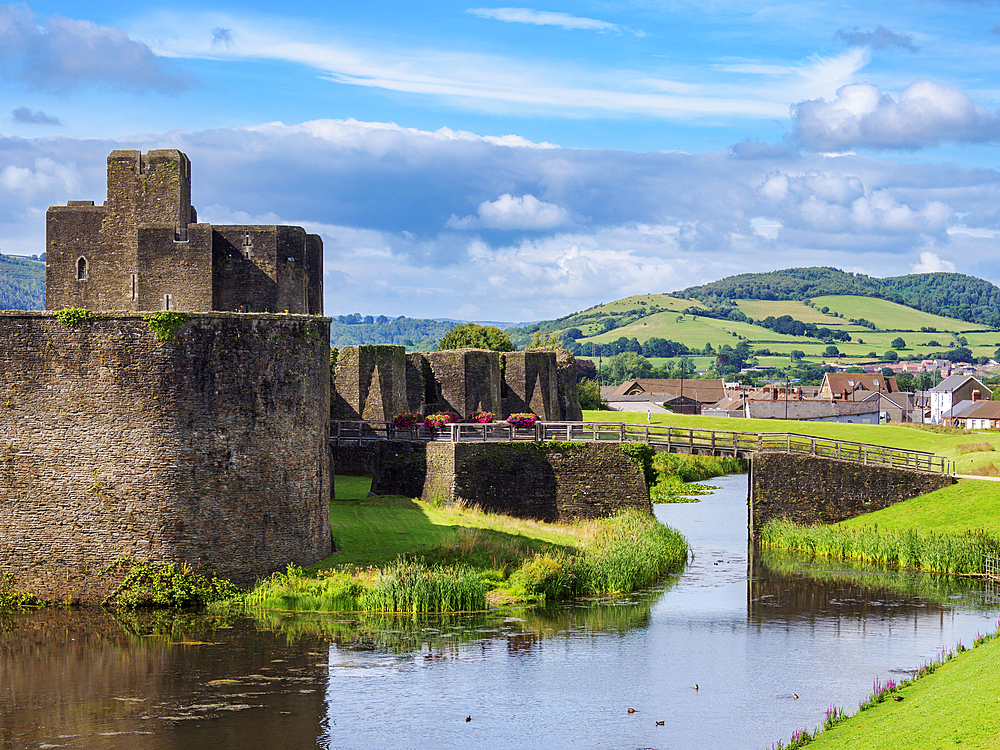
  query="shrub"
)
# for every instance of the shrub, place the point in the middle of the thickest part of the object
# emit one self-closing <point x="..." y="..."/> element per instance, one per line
<point x="164" y="584"/>
<point x="11" y="598"/>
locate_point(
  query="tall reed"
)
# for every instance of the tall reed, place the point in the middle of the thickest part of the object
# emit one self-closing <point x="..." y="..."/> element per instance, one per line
<point x="953" y="554"/>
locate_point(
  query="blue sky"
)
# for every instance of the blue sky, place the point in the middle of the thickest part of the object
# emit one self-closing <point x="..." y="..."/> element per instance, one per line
<point x="517" y="163"/>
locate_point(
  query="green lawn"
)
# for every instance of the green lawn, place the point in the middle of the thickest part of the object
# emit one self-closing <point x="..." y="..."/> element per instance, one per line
<point x="375" y="531"/>
<point x="956" y="706"/>
<point x="966" y="505"/>
<point x="966" y="448"/>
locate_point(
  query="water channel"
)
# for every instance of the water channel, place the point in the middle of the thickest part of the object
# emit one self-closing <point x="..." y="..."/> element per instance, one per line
<point x="751" y="630"/>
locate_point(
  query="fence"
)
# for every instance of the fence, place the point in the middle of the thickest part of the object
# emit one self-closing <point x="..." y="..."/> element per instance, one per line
<point x="661" y="437"/>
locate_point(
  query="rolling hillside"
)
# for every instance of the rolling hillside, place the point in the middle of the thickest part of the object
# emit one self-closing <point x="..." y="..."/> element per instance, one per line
<point x="952" y="295"/>
<point x="871" y="324"/>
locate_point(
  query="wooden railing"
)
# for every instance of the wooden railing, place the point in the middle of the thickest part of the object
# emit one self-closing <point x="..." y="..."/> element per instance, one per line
<point x="661" y="437"/>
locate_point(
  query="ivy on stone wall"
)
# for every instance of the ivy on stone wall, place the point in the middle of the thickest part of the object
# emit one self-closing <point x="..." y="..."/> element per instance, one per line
<point x="165" y="324"/>
<point x="642" y="454"/>
<point x="71" y="317"/>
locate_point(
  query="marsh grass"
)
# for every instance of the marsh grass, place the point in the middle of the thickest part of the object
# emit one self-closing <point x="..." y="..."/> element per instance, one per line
<point x="627" y="552"/>
<point x="673" y="472"/>
<point x="989" y="469"/>
<point x="951" y="554"/>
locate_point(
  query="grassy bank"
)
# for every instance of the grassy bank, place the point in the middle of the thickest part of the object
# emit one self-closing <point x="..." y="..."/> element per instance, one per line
<point x="401" y="555"/>
<point x="951" y="554"/>
<point x="950" y="703"/>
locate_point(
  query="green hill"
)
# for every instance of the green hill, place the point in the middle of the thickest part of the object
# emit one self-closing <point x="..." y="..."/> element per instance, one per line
<point x="415" y="334"/>
<point x="22" y="283"/>
<point x="951" y="295"/>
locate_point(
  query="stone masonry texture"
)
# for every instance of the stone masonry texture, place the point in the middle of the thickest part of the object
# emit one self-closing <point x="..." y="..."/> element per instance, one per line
<point x="209" y="448"/>
<point x="370" y="383"/>
<point x="545" y="481"/>
<point x="143" y="249"/>
<point x="808" y="489"/>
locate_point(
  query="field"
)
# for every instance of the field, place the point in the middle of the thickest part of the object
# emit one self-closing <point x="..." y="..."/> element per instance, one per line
<point x="971" y="450"/>
<point x="890" y="316"/>
<point x="892" y="320"/>
<point x="694" y="332"/>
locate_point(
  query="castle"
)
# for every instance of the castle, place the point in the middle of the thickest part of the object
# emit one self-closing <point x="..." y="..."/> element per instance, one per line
<point x="145" y="250"/>
<point x="173" y="401"/>
<point x="183" y="414"/>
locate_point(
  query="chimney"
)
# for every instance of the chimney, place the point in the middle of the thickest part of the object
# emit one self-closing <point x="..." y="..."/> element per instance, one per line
<point x="977" y="395"/>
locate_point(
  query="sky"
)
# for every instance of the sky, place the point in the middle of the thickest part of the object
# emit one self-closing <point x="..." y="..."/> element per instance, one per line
<point x="522" y="163"/>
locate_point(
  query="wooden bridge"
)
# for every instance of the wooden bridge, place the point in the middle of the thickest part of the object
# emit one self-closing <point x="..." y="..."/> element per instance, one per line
<point x="660" y="437"/>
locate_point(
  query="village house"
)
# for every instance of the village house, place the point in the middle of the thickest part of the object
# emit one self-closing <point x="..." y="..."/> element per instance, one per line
<point x="855" y="386"/>
<point x="951" y="391"/>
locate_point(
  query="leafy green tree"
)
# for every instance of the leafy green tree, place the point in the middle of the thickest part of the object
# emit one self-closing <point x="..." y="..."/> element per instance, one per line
<point x="906" y="381"/>
<point x="898" y="343"/>
<point x="551" y="340"/>
<point x="832" y="351"/>
<point x="475" y="336"/>
<point x="573" y="333"/>
<point x="890" y="356"/>
<point x="628" y="366"/>
<point x="590" y="395"/>
<point x="796" y="355"/>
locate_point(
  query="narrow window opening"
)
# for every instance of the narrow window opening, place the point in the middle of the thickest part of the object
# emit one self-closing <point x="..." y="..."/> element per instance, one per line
<point x="135" y="287"/>
<point x="81" y="269"/>
<point x="247" y="246"/>
<point x="167" y="302"/>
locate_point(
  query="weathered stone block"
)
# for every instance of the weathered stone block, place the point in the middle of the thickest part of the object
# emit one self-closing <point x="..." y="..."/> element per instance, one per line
<point x="370" y="383"/>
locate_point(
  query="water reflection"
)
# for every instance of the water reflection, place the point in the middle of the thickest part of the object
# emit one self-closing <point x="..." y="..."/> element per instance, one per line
<point x="750" y="629"/>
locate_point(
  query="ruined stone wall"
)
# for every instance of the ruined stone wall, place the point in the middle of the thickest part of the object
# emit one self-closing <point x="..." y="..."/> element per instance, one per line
<point x="809" y="489"/>
<point x="569" y="400"/>
<point x="545" y="481"/>
<point x="420" y="386"/>
<point x="370" y="382"/>
<point x="210" y="448"/>
<point x="469" y="380"/>
<point x="531" y="384"/>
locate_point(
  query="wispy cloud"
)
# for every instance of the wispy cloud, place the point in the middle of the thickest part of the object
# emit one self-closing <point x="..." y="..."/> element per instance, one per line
<point x="58" y="54"/>
<point x="222" y="36"/>
<point x="548" y="18"/>
<point x="510" y="84"/>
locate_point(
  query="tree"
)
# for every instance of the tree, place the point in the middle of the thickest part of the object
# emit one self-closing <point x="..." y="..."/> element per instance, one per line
<point x="905" y="381"/>
<point x="898" y="343"/>
<point x="832" y="351"/>
<point x="890" y="356"/>
<point x="585" y="369"/>
<point x="628" y="366"/>
<point x="551" y="341"/>
<point x="796" y="355"/>
<point x="573" y="333"/>
<point x="590" y="395"/>
<point x="475" y="336"/>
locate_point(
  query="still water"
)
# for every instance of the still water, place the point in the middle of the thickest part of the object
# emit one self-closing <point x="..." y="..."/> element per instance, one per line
<point x="751" y="631"/>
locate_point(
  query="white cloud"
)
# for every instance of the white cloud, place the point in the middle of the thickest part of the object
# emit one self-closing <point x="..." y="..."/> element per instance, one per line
<point x="932" y="263"/>
<point x="926" y="114"/>
<point x="545" y="18"/>
<point x="513" y="212"/>
<point x="556" y="230"/>
<point x="58" y="54"/>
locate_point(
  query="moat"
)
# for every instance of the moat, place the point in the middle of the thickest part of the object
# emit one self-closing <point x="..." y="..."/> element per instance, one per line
<point x="751" y="631"/>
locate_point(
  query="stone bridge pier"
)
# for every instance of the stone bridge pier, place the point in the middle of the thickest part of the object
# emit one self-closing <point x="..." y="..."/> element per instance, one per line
<point x="813" y="489"/>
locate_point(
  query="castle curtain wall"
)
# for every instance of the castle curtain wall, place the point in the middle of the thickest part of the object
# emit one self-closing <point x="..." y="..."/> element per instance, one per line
<point x="209" y="449"/>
